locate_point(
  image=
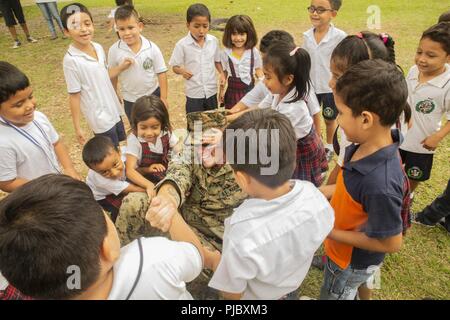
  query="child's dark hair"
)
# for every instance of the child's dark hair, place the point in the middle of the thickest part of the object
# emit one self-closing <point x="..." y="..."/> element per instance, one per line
<point x="240" y="24"/>
<point x="197" y="10"/>
<point x="286" y="59"/>
<point x="97" y="149"/>
<point x="376" y="86"/>
<point x="72" y="9"/>
<point x="123" y="2"/>
<point x="274" y="36"/>
<point x="125" y="12"/>
<point x="335" y="4"/>
<point x="11" y="81"/>
<point x="363" y="46"/>
<point x="147" y="107"/>
<point x="439" y="33"/>
<point x="47" y="226"/>
<point x="445" y="17"/>
<point x="237" y="136"/>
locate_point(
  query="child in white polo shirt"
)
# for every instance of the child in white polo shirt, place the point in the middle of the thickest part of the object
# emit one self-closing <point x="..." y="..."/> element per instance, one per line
<point x="29" y="145"/>
<point x="88" y="82"/>
<point x="106" y="176"/>
<point x="429" y="98"/>
<point x="148" y="73"/>
<point x="270" y="240"/>
<point x="320" y="41"/>
<point x="196" y="57"/>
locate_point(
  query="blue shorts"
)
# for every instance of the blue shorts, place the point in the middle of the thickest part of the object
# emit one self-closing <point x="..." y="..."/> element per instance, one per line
<point x="417" y="165"/>
<point x="339" y="284"/>
<point x="204" y="104"/>
<point x="116" y="133"/>
<point x="329" y="110"/>
<point x="128" y="106"/>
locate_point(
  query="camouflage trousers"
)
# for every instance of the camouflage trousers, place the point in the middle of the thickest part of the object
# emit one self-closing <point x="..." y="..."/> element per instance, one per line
<point x="131" y="223"/>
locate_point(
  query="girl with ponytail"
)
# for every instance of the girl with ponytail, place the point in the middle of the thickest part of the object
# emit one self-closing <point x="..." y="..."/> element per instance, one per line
<point x="286" y="70"/>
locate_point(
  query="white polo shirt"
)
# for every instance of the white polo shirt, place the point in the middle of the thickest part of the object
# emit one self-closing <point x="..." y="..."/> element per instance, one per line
<point x="297" y="112"/>
<point x="200" y="62"/>
<point x="20" y="157"/>
<point x="141" y="78"/>
<point x="102" y="187"/>
<point x="260" y="91"/>
<point x="429" y="102"/>
<point x="167" y="266"/>
<point x="84" y="74"/>
<point x="268" y="246"/>
<point x="242" y="65"/>
<point x="321" y="55"/>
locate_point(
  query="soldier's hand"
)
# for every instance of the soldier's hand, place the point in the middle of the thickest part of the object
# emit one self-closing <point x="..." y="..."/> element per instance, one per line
<point x="161" y="212"/>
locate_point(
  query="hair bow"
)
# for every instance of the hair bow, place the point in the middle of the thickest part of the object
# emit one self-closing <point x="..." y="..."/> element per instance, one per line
<point x="293" y="52"/>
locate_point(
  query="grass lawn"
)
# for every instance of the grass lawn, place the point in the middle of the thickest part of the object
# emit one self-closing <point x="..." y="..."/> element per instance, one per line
<point x="421" y="269"/>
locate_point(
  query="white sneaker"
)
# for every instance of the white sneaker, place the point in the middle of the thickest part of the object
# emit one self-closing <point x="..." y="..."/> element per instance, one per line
<point x="30" y="39"/>
<point x="17" y="44"/>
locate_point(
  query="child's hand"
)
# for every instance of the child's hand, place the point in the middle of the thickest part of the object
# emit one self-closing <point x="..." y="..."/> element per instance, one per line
<point x="187" y="74"/>
<point x="161" y="212"/>
<point x="431" y="142"/>
<point x="126" y="63"/>
<point x="80" y="137"/>
<point x="221" y="96"/>
<point x="223" y="80"/>
<point x="156" y="167"/>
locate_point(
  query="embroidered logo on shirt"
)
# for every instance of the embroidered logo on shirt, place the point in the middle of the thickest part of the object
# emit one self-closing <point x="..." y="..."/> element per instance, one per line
<point x="148" y="64"/>
<point x="426" y="106"/>
<point x="415" y="173"/>
<point x="328" y="113"/>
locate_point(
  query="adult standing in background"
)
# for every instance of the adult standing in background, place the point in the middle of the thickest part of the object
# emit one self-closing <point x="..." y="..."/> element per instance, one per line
<point x="12" y="10"/>
<point x="49" y="9"/>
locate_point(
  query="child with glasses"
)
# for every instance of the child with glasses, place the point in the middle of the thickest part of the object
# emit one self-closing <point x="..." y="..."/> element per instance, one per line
<point x="320" y="42"/>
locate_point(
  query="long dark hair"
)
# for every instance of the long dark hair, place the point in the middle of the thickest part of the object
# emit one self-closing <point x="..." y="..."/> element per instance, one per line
<point x="147" y="107"/>
<point x="286" y="59"/>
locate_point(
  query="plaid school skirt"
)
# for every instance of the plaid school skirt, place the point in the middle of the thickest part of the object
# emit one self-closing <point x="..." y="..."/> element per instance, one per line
<point x="112" y="204"/>
<point x="311" y="159"/>
<point x="236" y="91"/>
<point x="11" y="293"/>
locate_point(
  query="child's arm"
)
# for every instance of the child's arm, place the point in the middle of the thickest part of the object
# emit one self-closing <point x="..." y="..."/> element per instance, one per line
<point x="222" y="89"/>
<point x="432" y="142"/>
<point x="63" y="156"/>
<point x="328" y="190"/>
<point x="114" y="72"/>
<point x="132" y="188"/>
<point x="163" y="86"/>
<point x="181" y="71"/>
<point x="11" y="185"/>
<point x="74" y="103"/>
<point x="137" y="178"/>
<point x="317" y="124"/>
<point x="361" y="240"/>
<point x="332" y="178"/>
<point x="222" y="77"/>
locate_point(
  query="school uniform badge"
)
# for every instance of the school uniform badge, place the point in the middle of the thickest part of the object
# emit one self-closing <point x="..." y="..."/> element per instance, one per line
<point x="415" y="173"/>
<point x="426" y="106"/>
<point x="148" y="64"/>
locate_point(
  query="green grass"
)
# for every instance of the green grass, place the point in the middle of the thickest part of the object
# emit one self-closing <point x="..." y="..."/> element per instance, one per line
<point x="421" y="269"/>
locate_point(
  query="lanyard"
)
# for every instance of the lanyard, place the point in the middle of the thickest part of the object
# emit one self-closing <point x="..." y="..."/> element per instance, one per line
<point x="30" y="138"/>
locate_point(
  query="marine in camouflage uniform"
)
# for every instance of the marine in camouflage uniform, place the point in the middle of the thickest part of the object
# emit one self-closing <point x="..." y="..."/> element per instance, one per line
<point x="207" y="195"/>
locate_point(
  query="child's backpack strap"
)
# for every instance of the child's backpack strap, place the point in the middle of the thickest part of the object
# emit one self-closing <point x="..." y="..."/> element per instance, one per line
<point x="141" y="263"/>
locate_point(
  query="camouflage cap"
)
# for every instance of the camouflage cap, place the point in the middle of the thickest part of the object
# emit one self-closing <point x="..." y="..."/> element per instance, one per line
<point x="213" y="119"/>
<point x="209" y="119"/>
